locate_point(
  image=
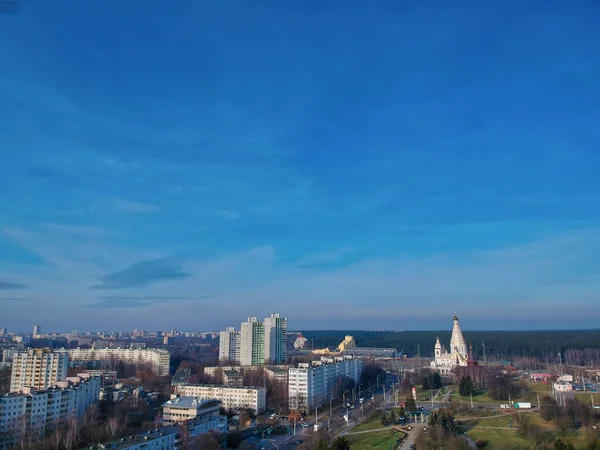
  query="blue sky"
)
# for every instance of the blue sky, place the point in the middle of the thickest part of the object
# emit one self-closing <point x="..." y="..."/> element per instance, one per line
<point x="349" y="164"/>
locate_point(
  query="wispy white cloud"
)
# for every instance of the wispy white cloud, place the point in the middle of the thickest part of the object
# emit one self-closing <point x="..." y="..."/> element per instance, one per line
<point x="256" y="281"/>
<point x="123" y="205"/>
<point x="10" y="285"/>
<point x="142" y="274"/>
<point x="321" y="259"/>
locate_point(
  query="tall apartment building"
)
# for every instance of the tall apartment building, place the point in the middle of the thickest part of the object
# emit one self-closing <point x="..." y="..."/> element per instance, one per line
<point x="235" y="398"/>
<point x="34" y="410"/>
<point x="252" y="345"/>
<point x="275" y="339"/>
<point x="157" y="359"/>
<point x="37" y="331"/>
<point x="312" y="384"/>
<point x="229" y="345"/>
<point x="38" y="368"/>
<point x="256" y="343"/>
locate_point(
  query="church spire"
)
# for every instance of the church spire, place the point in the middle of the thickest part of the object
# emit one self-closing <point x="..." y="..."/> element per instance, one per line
<point x="457" y="342"/>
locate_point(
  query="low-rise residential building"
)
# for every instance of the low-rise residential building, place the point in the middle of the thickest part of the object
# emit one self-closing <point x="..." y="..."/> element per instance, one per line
<point x="169" y="437"/>
<point x="180" y="409"/>
<point x="313" y="384"/>
<point x="33" y="410"/>
<point x="156" y="359"/>
<point x="233" y="378"/>
<point x="213" y="371"/>
<point x="563" y="386"/>
<point x="278" y="375"/>
<point x="539" y="376"/>
<point x="236" y="398"/>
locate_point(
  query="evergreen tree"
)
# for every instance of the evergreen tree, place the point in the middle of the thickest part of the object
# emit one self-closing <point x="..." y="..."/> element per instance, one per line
<point x="410" y="404"/>
<point x="322" y="445"/>
<point x="563" y="445"/>
<point x="465" y="388"/>
<point x="437" y="380"/>
<point x="384" y="419"/>
<point x="340" y="443"/>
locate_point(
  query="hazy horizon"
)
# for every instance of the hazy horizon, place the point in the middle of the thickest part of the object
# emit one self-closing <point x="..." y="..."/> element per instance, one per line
<point x="352" y="165"/>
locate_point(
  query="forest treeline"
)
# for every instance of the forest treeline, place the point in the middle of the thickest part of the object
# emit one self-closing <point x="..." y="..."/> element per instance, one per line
<point x="574" y="345"/>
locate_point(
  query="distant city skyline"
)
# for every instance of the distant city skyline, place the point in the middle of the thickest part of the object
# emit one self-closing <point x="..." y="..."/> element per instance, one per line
<point x="371" y="165"/>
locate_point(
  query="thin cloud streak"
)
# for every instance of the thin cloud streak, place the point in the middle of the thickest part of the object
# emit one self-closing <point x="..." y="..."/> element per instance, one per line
<point x="8" y="285"/>
<point x="189" y="152"/>
<point x="143" y="273"/>
<point x="141" y="301"/>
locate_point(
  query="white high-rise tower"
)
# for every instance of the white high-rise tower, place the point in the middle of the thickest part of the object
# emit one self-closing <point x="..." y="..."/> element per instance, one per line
<point x="229" y="345"/>
<point x="275" y="339"/>
<point x="252" y="342"/>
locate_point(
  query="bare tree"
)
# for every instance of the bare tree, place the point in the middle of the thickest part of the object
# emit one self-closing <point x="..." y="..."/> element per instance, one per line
<point x="185" y="440"/>
<point x="72" y="432"/>
<point x="207" y="441"/>
<point x="91" y="415"/>
<point x="114" y="427"/>
<point x="57" y="435"/>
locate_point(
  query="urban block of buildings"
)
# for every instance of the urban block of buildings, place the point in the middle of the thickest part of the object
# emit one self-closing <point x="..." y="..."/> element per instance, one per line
<point x="235" y="398"/>
<point x="169" y="437"/>
<point x="156" y="359"/>
<point x="35" y="410"/>
<point x="312" y="384"/>
<point x="256" y="343"/>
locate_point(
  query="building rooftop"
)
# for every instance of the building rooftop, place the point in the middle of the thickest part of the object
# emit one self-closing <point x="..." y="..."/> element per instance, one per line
<point x="220" y="386"/>
<point x="127" y="442"/>
<point x="191" y="402"/>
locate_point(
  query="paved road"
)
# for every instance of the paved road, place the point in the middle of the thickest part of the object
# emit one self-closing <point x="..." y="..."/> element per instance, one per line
<point x="470" y="441"/>
<point x="412" y="436"/>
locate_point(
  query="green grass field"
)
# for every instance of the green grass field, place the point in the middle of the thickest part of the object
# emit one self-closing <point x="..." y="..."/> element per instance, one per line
<point x="510" y="438"/>
<point x="529" y="394"/>
<point x="371" y="423"/>
<point x="378" y="440"/>
<point x="481" y="398"/>
<point x="498" y="439"/>
<point x="586" y="398"/>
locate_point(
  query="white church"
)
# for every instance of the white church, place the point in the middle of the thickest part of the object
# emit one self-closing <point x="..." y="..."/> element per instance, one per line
<point x="458" y="355"/>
